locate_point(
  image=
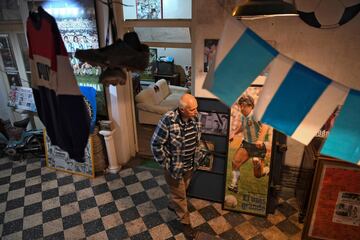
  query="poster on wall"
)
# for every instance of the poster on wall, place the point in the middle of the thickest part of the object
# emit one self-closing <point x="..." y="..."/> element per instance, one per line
<point x="207" y="162"/>
<point x="214" y="123"/>
<point x="147" y="74"/>
<point x="77" y="24"/>
<point x="21" y="98"/>
<point x="334" y="203"/>
<point x="148" y="9"/>
<point x="59" y="159"/>
<point x="249" y="157"/>
<point x="210" y="46"/>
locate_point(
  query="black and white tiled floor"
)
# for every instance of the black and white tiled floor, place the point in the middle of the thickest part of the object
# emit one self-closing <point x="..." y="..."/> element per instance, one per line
<point x="40" y="203"/>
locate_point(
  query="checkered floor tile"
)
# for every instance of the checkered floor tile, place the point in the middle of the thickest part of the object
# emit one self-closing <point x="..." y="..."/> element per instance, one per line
<point x="40" y="203"/>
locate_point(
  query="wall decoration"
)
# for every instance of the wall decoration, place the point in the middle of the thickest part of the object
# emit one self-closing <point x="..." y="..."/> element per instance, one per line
<point x="207" y="163"/>
<point x="59" y="159"/>
<point x="210" y="46"/>
<point x="148" y="9"/>
<point x="248" y="164"/>
<point x="22" y="98"/>
<point x="77" y="24"/>
<point x="147" y="74"/>
<point x="214" y="123"/>
<point x="7" y="53"/>
<point x="327" y="13"/>
<point x="334" y="210"/>
<point x="14" y="79"/>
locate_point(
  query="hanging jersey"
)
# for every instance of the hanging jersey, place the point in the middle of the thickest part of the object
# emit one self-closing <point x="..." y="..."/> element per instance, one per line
<point x="58" y="99"/>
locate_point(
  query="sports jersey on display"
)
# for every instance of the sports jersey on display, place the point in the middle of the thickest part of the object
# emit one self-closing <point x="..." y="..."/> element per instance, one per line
<point x="58" y="99"/>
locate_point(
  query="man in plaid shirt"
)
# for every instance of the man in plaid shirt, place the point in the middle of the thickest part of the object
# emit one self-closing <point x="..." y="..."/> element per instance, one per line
<point x="175" y="146"/>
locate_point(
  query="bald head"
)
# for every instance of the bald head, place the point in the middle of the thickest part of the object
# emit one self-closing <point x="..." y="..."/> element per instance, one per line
<point x="188" y="106"/>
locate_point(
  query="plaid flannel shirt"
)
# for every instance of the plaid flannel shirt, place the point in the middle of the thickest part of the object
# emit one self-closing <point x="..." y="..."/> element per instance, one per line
<point x="167" y="143"/>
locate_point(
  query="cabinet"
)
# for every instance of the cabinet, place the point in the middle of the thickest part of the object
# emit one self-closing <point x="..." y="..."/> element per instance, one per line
<point x="306" y="175"/>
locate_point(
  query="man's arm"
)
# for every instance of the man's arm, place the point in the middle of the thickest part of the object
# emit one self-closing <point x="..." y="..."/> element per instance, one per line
<point x="158" y="142"/>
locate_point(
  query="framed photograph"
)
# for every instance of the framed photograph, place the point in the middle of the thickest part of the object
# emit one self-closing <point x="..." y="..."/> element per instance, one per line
<point x="249" y="158"/>
<point x="147" y="74"/>
<point x="76" y="21"/>
<point x="210" y="46"/>
<point x="148" y="9"/>
<point x="59" y="159"/>
<point x="21" y="98"/>
<point x="334" y="209"/>
<point x="207" y="163"/>
<point x="214" y="123"/>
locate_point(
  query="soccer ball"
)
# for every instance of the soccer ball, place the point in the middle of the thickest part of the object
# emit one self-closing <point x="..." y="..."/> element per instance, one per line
<point x="230" y="201"/>
<point x="327" y="13"/>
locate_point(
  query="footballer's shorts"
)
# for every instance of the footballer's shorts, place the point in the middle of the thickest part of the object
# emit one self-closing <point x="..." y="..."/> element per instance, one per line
<point x="254" y="151"/>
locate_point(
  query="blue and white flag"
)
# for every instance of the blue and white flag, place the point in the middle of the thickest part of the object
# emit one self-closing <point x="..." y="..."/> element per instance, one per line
<point x="344" y="139"/>
<point x="297" y="100"/>
<point x="241" y="56"/>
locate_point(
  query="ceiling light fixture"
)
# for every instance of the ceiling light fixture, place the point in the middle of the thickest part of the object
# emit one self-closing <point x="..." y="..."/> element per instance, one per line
<point x="264" y="8"/>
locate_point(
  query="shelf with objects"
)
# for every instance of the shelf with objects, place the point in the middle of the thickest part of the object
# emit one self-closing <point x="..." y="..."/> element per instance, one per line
<point x="208" y="181"/>
<point x="164" y="67"/>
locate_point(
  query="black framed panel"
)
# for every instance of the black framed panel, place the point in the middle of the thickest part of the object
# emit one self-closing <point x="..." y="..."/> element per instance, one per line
<point x="220" y="143"/>
<point x="219" y="164"/>
<point x="212" y="105"/>
<point x="207" y="186"/>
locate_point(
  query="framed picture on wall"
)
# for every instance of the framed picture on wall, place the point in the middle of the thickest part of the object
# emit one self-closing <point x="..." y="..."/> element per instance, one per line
<point x="334" y="209"/>
<point x="59" y="159"/>
<point x="76" y="20"/>
<point x="214" y="123"/>
<point x="249" y="158"/>
<point x="148" y="9"/>
<point x="147" y="74"/>
<point x="207" y="162"/>
<point x="210" y="46"/>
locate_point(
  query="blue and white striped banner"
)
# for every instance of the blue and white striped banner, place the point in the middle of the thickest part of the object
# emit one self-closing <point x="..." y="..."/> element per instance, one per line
<point x="241" y="56"/>
<point x="344" y="139"/>
<point x="297" y="100"/>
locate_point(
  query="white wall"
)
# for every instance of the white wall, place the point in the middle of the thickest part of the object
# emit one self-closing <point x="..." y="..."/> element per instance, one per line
<point x="334" y="53"/>
<point x="177" y="9"/>
<point x="129" y="12"/>
<point x="207" y="23"/>
<point x="182" y="56"/>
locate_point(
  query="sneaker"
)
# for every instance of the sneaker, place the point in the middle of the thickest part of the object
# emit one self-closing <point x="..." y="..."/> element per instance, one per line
<point x="233" y="189"/>
<point x="112" y="76"/>
<point x="130" y="54"/>
<point x="188" y="231"/>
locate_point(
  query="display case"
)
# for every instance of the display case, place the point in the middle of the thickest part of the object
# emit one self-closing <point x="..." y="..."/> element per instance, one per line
<point x="208" y="181"/>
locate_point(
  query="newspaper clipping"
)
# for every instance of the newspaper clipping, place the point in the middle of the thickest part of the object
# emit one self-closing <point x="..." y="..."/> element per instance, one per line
<point x="347" y="209"/>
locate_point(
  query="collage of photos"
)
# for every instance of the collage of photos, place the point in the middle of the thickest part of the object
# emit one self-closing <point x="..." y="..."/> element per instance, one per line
<point x="148" y="9"/>
<point x="21" y="98"/>
<point x="249" y="156"/>
<point x="59" y="159"/>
